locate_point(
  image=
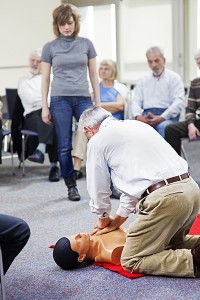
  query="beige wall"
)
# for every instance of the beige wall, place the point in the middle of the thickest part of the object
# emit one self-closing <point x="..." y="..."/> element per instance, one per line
<point x="25" y="25"/>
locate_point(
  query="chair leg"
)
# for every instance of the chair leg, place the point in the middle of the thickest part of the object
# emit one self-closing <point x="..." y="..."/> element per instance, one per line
<point x="2" y="277"/>
<point x="23" y="154"/>
<point x="12" y="159"/>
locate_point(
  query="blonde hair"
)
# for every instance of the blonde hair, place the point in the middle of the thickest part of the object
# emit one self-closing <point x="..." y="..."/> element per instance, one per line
<point x="112" y="65"/>
<point x="62" y="14"/>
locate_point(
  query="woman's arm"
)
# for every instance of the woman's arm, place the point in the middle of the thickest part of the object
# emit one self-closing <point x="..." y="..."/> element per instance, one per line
<point x="46" y="71"/>
<point x="114" y="107"/>
<point x="94" y="80"/>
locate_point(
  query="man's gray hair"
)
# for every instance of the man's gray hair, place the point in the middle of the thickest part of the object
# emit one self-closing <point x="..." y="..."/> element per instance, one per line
<point x="197" y="54"/>
<point x="155" y="49"/>
<point x="93" y="117"/>
<point x="36" y="53"/>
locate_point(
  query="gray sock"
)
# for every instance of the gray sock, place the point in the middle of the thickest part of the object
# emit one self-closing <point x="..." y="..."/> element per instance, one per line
<point x="41" y="147"/>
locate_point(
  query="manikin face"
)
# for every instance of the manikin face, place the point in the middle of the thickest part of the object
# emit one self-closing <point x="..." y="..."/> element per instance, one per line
<point x="198" y="62"/>
<point x="68" y="28"/>
<point x="156" y="63"/>
<point x="80" y="243"/>
<point x="35" y="65"/>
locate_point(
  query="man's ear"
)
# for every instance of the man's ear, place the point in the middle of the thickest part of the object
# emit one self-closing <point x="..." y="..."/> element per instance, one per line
<point x="86" y="128"/>
<point x="81" y="257"/>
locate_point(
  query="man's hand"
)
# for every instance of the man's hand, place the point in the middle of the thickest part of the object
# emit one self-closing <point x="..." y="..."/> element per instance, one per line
<point x="193" y="132"/>
<point x="101" y="223"/>
<point x="154" y="120"/>
<point x="143" y="119"/>
<point x="114" y="224"/>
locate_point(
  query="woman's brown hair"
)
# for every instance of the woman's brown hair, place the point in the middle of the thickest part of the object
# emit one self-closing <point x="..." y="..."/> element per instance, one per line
<point x="62" y="14"/>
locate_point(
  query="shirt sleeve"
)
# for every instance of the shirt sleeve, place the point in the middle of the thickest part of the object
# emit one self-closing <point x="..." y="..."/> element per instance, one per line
<point x="46" y="53"/>
<point x="178" y="98"/>
<point x="98" y="181"/>
<point x="192" y="105"/>
<point x="91" y="50"/>
<point x="137" y="100"/>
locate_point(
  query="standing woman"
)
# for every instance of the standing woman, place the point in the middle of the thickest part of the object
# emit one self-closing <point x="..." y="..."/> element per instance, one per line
<point x="69" y="56"/>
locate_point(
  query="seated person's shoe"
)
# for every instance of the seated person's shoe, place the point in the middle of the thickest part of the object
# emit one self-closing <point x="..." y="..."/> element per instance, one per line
<point x="73" y="194"/>
<point x="37" y="157"/>
<point x="54" y="174"/>
<point x="78" y="174"/>
<point x="196" y="257"/>
<point x="115" y="193"/>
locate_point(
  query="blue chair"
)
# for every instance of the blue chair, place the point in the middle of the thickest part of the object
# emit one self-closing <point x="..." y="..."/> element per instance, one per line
<point x="25" y="134"/>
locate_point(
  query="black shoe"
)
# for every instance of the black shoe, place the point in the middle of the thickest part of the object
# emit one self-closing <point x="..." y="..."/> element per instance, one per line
<point x="73" y="194"/>
<point x="37" y="157"/>
<point x="78" y="174"/>
<point x="115" y="193"/>
<point x="54" y="174"/>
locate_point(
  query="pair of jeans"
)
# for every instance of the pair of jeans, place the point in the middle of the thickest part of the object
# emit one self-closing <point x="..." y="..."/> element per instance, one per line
<point x="160" y="128"/>
<point x="14" y="234"/>
<point x="63" y="109"/>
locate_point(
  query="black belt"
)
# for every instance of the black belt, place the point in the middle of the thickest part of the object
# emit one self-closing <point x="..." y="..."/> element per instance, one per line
<point x="167" y="181"/>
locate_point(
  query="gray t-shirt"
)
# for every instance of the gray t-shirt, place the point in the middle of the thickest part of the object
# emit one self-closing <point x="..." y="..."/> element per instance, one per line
<point x="69" y="59"/>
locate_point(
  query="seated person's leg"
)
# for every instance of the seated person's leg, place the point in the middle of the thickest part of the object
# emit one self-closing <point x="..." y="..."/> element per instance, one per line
<point x="45" y="135"/>
<point x="1" y="137"/>
<point x="174" y="133"/>
<point x="160" y="128"/>
<point x="14" y="234"/>
<point x="54" y="174"/>
<point x="79" y="152"/>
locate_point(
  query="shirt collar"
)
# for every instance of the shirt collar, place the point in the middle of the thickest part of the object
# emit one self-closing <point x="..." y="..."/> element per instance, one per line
<point x="107" y="121"/>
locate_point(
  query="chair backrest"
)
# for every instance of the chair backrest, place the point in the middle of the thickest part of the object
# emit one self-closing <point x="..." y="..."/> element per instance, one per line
<point x="11" y="97"/>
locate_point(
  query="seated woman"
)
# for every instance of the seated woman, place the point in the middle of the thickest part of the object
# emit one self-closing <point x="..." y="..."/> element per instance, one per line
<point x="69" y="252"/>
<point x="111" y="99"/>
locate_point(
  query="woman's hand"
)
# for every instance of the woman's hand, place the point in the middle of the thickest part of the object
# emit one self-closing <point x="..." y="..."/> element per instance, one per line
<point x="46" y="116"/>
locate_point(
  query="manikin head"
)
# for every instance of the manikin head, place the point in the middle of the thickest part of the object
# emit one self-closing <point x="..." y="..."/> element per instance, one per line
<point x="91" y="119"/>
<point x="70" y="252"/>
<point x="35" y="61"/>
<point x="156" y="60"/>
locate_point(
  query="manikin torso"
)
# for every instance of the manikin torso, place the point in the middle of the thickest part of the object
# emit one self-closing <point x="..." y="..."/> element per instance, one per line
<point x="107" y="248"/>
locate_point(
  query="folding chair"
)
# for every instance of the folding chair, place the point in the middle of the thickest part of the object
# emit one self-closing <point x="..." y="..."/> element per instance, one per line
<point x="11" y="96"/>
<point x="25" y="134"/>
<point x="20" y="135"/>
<point x="2" y="282"/>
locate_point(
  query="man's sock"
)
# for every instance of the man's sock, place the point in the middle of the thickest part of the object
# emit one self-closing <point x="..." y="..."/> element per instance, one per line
<point x="53" y="164"/>
<point x="41" y="147"/>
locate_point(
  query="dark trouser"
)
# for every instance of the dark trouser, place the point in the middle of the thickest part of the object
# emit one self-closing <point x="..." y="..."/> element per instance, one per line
<point x="47" y="135"/>
<point x="14" y="234"/>
<point x="174" y="133"/>
<point x="1" y="138"/>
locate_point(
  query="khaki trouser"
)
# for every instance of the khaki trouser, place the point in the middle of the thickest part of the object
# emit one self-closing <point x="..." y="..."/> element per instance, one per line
<point x="80" y="145"/>
<point x="157" y="241"/>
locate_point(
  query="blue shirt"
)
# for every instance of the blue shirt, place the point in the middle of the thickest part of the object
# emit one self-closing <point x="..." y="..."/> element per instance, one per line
<point x="109" y="94"/>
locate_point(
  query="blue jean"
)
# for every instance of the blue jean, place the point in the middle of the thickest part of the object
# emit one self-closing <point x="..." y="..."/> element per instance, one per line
<point x="160" y="128"/>
<point x="63" y="109"/>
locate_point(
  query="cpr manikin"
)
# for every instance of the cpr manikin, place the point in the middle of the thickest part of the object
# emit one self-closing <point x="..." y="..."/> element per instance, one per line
<point x="69" y="252"/>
